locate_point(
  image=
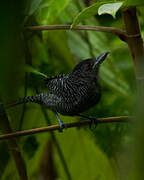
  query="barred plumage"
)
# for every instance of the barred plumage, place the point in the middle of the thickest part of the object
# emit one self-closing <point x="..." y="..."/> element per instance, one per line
<point x="74" y="93"/>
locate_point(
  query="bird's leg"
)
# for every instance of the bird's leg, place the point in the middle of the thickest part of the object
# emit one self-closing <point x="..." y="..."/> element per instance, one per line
<point x="92" y="119"/>
<point x="62" y="126"/>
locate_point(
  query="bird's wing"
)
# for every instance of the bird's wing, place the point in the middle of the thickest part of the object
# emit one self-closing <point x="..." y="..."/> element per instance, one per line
<point x="48" y="80"/>
<point x="54" y="81"/>
<point x="51" y="79"/>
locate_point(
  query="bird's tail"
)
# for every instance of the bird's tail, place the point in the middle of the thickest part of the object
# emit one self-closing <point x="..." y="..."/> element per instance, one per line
<point x="38" y="98"/>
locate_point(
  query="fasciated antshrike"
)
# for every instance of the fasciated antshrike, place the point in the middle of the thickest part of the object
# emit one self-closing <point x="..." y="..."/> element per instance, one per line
<point x="73" y="93"/>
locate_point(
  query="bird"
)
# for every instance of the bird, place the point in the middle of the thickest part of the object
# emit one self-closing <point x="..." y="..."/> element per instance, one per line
<point x="73" y="93"/>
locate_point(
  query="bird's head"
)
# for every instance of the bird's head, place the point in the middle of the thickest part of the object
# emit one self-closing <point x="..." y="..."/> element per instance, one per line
<point x="89" y="66"/>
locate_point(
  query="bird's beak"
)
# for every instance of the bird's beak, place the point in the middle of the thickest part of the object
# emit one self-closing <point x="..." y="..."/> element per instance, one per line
<point x="100" y="59"/>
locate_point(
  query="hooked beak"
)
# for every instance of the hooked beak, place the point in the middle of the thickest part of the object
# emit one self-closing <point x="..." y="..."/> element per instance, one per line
<point x="100" y="59"/>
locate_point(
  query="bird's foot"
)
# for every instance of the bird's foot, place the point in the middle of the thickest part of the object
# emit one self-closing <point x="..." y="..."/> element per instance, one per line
<point x="94" y="121"/>
<point x="62" y="126"/>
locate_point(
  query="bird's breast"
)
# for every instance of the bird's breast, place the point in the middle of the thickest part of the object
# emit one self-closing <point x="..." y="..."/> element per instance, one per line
<point x="70" y="96"/>
<point x="76" y="100"/>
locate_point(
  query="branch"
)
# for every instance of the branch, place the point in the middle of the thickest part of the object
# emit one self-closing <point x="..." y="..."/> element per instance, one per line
<point x="68" y="125"/>
<point x="13" y="146"/>
<point x="135" y="43"/>
<point x="120" y="33"/>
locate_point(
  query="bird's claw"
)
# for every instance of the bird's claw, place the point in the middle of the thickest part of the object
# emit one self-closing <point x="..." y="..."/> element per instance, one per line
<point x="62" y="126"/>
<point x="94" y="121"/>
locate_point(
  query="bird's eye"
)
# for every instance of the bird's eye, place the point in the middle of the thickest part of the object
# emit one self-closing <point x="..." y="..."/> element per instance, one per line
<point x="88" y="66"/>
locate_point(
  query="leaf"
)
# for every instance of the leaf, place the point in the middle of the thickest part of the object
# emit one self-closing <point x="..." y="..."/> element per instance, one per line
<point x="32" y="6"/>
<point x="88" y="12"/>
<point x="32" y="70"/>
<point x="128" y="3"/>
<point x="117" y="85"/>
<point x="78" y="46"/>
<point x="81" y="139"/>
<point x="93" y="9"/>
<point x="110" y="8"/>
<point x="49" y="10"/>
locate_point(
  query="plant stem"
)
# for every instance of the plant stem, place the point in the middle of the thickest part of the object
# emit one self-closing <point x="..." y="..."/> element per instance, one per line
<point x="68" y="125"/>
<point x="120" y="33"/>
<point x="135" y="43"/>
<point x="59" y="150"/>
<point x="13" y="146"/>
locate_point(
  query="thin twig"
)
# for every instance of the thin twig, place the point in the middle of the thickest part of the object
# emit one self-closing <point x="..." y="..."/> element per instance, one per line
<point x="68" y="125"/>
<point x="120" y="33"/>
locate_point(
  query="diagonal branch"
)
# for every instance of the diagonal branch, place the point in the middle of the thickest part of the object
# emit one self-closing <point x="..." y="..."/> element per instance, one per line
<point x="68" y="125"/>
<point x="116" y="31"/>
<point x="13" y="146"/>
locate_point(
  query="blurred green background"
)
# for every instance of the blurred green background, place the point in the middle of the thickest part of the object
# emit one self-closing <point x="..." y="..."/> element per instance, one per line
<point x="88" y="154"/>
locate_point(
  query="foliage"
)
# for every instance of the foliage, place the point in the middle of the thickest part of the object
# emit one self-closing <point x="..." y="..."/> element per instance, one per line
<point x="89" y="154"/>
<point x="100" y="7"/>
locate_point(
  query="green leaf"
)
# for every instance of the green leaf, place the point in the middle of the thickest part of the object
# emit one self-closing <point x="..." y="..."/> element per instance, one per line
<point x="118" y="85"/>
<point x="32" y="70"/>
<point x="78" y="46"/>
<point x="88" y="12"/>
<point x="110" y="8"/>
<point x="49" y="10"/>
<point x="128" y="3"/>
<point x="98" y="171"/>
<point x="32" y="6"/>
<point x="101" y="7"/>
